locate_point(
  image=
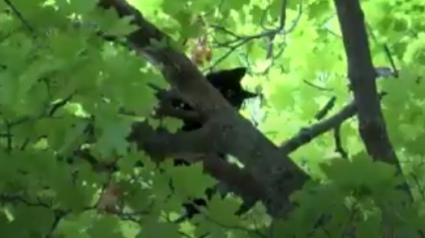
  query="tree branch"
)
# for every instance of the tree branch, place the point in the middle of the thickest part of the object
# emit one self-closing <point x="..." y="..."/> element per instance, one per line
<point x="161" y="143"/>
<point x="278" y="174"/>
<point x="305" y="135"/>
<point x="362" y="76"/>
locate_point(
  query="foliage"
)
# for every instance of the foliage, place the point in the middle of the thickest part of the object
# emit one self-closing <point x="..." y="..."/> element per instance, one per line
<point x="57" y="76"/>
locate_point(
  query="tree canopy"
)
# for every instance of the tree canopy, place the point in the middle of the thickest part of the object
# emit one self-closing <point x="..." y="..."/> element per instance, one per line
<point x="331" y="147"/>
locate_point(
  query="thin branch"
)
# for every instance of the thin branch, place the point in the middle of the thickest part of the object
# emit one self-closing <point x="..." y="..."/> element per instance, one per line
<point x="338" y="143"/>
<point x="269" y="35"/>
<point x="307" y="134"/>
<point x="325" y="110"/>
<point x="18" y="14"/>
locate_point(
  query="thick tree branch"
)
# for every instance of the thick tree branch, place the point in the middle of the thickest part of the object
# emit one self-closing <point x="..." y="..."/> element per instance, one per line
<point x="237" y="180"/>
<point x="166" y="107"/>
<point x="161" y="143"/>
<point x="179" y="71"/>
<point x="195" y="145"/>
<point x="362" y="77"/>
<point x="277" y="173"/>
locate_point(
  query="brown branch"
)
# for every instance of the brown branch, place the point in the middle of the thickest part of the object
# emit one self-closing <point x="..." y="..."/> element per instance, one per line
<point x="307" y="134"/>
<point x="237" y="180"/>
<point x="165" y="108"/>
<point x="179" y="71"/>
<point x="162" y="145"/>
<point x="362" y="76"/>
<point x="277" y="173"/>
<point x="338" y="143"/>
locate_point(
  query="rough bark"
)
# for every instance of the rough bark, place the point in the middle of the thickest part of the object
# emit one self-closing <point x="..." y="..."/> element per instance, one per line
<point x="276" y="172"/>
<point x="270" y="167"/>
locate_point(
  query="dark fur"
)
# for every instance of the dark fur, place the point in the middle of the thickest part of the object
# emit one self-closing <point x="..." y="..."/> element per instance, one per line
<point x="228" y="82"/>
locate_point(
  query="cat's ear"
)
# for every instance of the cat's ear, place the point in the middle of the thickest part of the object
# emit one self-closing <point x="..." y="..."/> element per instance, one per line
<point x="247" y="94"/>
<point x="237" y="73"/>
<point x="226" y="76"/>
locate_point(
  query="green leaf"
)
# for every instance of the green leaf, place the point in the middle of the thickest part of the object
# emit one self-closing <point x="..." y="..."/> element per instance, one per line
<point x="111" y="24"/>
<point x="113" y="132"/>
<point x="77" y="6"/>
<point x="105" y="226"/>
<point x="190" y="181"/>
<point x="36" y="220"/>
<point x="122" y="27"/>
<point x="318" y="9"/>
<point x="223" y="210"/>
<point x="154" y="228"/>
<point x="172" y="124"/>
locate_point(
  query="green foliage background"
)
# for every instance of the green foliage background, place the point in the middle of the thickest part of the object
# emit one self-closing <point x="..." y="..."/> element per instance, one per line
<point x="43" y="194"/>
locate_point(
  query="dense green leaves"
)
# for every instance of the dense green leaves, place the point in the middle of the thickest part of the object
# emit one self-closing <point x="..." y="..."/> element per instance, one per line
<point x="51" y="53"/>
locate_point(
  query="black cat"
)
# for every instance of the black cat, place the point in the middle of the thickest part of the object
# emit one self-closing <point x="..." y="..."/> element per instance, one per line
<point x="228" y="82"/>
